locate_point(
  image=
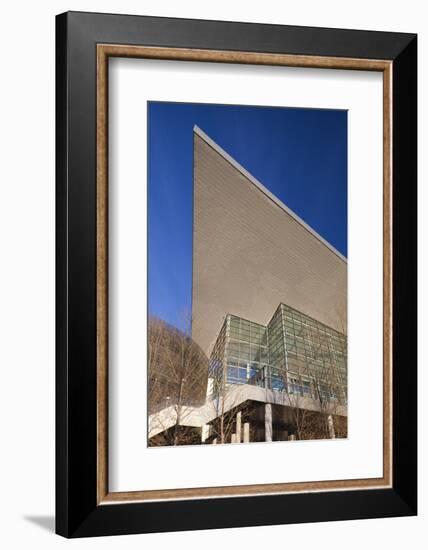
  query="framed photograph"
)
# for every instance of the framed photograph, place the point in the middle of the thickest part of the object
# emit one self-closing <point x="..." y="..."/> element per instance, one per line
<point x="236" y="274"/>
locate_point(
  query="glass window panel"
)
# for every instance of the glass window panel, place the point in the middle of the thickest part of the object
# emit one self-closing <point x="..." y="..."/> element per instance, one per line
<point x="232" y="374"/>
<point x="306" y="388"/>
<point x="233" y="349"/>
<point x="263" y="356"/>
<point x="244" y="347"/>
<point x="255" y="353"/>
<point x="242" y="375"/>
<point x="234" y="322"/>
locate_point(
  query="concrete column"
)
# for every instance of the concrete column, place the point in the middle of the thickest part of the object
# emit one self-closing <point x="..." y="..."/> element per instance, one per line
<point x="246" y="432"/>
<point x="215" y="441"/>
<point x="330" y="424"/>
<point x="238" y="427"/>
<point x="268" y="422"/>
<point x="233" y="439"/>
<point x="292" y="437"/>
<point x="205" y="432"/>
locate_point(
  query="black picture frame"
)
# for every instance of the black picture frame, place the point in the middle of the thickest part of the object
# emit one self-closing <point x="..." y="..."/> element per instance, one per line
<point x="77" y="511"/>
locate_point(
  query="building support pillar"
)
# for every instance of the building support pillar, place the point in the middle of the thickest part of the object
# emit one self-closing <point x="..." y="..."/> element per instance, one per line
<point x="205" y="432"/>
<point x="238" y="427"/>
<point x="246" y="432"/>
<point x="330" y="424"/>
<point x="268" y="422"/>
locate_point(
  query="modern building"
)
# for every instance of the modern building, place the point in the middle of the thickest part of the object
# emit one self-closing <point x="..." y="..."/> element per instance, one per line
<point x="268" y="308"/>
<point x="293" y="353"/>
<point x="251" y="252"/>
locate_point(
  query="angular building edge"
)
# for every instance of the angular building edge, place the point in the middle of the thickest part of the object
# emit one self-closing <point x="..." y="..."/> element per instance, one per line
<point x="198" y="131"/>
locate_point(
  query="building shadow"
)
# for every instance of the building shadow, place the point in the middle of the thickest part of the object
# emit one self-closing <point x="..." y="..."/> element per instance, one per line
<point x="45" y="522"/>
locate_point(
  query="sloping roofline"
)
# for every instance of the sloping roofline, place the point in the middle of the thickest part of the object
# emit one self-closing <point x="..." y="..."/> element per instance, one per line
<point x="264" y="190"/>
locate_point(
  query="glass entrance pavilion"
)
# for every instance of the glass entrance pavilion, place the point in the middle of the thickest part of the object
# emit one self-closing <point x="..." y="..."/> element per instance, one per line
<point x="293" y="353"/>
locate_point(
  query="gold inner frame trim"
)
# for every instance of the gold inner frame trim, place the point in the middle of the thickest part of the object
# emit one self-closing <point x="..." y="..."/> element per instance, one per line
<point x="104" y="51"/>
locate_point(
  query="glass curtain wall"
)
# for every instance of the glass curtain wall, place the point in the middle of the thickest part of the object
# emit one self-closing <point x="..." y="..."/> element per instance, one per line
<point x="315" y="357"/>
<point x="294" y="353"/>
<point x="240" y="354"/>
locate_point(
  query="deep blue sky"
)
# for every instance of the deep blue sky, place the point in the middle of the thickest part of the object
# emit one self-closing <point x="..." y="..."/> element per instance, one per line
<point x="300" y="155"/>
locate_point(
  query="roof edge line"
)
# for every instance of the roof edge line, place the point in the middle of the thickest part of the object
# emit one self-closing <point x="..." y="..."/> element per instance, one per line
<point x="265" y="190"/>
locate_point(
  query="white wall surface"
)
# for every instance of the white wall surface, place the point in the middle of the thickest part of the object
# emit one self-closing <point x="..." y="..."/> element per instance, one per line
<point x="27" y="271"/>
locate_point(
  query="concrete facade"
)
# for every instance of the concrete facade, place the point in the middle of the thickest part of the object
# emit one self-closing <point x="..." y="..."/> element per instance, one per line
<point x="250" y="252"/>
